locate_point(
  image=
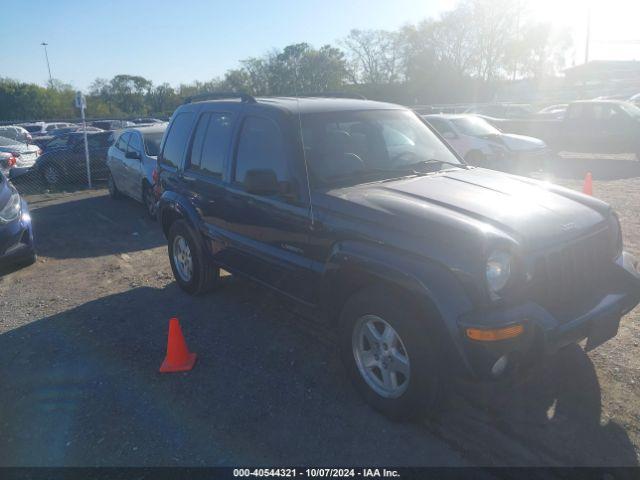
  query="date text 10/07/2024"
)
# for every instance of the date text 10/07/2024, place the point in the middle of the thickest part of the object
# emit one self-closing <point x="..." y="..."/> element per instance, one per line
<point x="317" y="472"/>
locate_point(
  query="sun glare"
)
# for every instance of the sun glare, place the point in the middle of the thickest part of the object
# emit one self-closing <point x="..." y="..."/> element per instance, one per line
<point x="613" y="23"/>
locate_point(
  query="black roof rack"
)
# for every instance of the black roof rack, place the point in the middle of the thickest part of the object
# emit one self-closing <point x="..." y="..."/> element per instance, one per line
<point x="335" y="95"/>
<point x="244" y="97"/>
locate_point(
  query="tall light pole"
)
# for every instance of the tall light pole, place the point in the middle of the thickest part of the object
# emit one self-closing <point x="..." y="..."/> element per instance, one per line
<point x="46" y="55"/>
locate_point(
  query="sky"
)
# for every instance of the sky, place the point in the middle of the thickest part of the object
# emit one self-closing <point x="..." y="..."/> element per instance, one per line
<point x="179" y="41"/>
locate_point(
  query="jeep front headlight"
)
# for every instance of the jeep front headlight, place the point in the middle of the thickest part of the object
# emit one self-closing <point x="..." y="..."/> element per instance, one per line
<point x="498" y="271"/>
<point x="11" y="210"/>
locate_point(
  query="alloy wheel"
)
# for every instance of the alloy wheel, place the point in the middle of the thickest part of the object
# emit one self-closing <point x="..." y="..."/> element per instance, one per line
<point x="182" y="258"/>
<point x="381" y="357"/>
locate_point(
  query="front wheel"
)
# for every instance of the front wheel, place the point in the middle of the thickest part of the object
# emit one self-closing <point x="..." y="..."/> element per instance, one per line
<point x="192" y="271"/>
<point x="390" y="353"/>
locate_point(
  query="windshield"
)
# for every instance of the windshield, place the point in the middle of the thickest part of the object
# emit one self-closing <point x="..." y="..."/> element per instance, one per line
<point x="474" y="126"/>
<point x="32" y="128"/>
<point x="4" y="141"/>
<point x="152" y="143"/>
<point x="355" y="147"/>
<point x="630" y="109"/>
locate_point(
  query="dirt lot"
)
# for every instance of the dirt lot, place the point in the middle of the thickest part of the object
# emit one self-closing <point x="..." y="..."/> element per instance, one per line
<point x="83" y="332"/>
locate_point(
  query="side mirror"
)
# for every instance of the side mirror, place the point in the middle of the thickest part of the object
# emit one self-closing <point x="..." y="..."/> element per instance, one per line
<point x="449" y="135"/>
<point x="261" y="182"/>
<point x="133" y="155"/>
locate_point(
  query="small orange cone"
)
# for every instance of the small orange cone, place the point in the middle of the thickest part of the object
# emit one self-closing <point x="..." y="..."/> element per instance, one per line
<point x="179" y="358"/>
<point x="588" y="184"/>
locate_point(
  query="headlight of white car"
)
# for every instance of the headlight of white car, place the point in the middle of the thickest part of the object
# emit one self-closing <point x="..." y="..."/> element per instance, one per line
<point x="498" y="270"/>
<point x="11" y="210"/>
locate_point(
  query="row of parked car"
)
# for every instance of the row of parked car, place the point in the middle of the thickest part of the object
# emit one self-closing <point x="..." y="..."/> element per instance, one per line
<point x="58" y="156"/>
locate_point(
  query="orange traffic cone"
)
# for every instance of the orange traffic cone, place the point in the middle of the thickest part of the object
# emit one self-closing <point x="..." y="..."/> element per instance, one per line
<point x="588" y="184"/>
<point x="179" y="358"/>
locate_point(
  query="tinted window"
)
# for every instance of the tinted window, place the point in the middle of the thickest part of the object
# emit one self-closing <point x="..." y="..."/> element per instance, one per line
<point x="152" y="143"/>
<point x="210" y="143"/>
<point x="260" y="147"/>
<point x="32" y="128"/>
<point x="176" y="140"/>
<point x="58" y="142"/>
<point x="121" y="144"/>
<point x="97" y="141"/>
<point x="135" y="143"/>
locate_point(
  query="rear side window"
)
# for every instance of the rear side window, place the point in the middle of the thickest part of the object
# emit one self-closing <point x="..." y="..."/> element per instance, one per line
<point x="176" y="140"/>
<point x="260" y="147"/>
<point x="210" y="143"/>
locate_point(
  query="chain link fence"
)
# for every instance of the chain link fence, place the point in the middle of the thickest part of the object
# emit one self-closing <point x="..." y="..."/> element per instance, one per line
<point x="58" y="163"/>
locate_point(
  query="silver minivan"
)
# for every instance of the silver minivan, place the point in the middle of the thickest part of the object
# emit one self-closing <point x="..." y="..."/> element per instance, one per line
<point x="132" y="162"/>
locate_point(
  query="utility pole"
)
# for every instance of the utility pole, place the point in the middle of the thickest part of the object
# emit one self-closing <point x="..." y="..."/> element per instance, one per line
<point x="586" y="46"/>
<point x="46" y="55"/>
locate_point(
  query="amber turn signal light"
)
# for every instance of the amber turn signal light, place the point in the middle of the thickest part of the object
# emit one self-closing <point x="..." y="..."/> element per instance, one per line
<point x="494" y="334"/>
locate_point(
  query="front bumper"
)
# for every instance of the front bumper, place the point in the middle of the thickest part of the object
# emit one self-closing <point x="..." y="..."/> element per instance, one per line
<point x="543" y="333"/>
<point x="16" y="238"/>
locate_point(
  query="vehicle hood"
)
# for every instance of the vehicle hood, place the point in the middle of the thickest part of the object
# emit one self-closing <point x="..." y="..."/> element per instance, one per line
<point x="533" y="214"/>
<point x="520" y="143"/>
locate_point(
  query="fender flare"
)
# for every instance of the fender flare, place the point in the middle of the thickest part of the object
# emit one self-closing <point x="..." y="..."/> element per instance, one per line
<point x="431" y="282"/>
<point x="171" y="205"/>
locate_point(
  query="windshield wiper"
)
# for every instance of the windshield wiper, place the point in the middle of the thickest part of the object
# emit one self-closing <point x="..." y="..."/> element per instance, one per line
<point x="433" y="161"/>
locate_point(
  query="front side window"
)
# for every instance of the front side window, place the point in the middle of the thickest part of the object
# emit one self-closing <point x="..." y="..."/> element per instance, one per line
<point x="358" y="146"/>
<point x="123" y="139"/>
<point x="260" y="147"/>
<point x="474" y="126"/>
<point x="177" y="140"/>
<point x="135" y="143"/>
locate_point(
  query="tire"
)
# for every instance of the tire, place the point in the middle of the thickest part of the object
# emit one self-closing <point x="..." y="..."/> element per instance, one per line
<point x="416" y="395"/>
<point x="113" y="189"/>
<point x="52" y="175"/>
<point x="149" y="200"/>
<point x="191" y="269"/>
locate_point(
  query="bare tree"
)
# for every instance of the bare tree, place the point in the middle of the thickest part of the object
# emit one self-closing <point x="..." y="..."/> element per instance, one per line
<point x="374" y="56"/>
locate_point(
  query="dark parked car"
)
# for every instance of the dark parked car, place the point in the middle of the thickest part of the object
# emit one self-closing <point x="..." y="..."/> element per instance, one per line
<point x="587" y="126"/>
<point x="16" y="232"/>
<point x="426" y="268"/>
<point x="66" y="163"/>
<point x="112" y="124"/>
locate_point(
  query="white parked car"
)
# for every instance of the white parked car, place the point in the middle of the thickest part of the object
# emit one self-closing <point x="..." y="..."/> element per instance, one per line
<point x="483" y="145"/>
<point x="132" y="161"/>
<point x="14" y="154"/>
<point x="15" y="132"/>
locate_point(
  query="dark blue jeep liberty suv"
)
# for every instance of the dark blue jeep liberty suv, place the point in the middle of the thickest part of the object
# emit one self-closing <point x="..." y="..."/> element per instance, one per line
<point x="428" y="268"/>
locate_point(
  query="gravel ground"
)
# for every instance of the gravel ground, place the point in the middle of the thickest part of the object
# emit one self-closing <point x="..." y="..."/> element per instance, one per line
<point x="83" y="332"/>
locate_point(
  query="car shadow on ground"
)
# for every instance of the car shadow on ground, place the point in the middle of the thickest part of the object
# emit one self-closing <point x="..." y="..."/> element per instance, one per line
<point x="81" y="388"/>
<point x="552" y="416"/>
<point x="93" y="226"/>
<point x="576" y="167"/>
